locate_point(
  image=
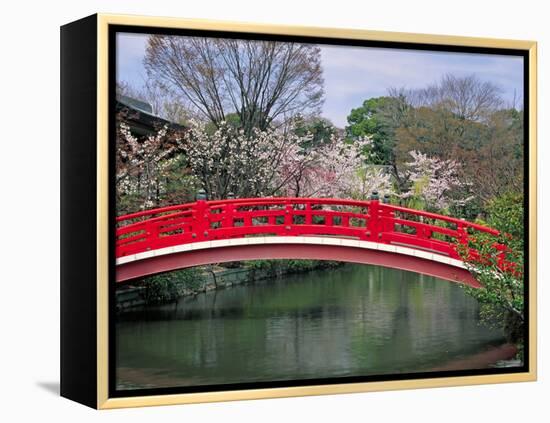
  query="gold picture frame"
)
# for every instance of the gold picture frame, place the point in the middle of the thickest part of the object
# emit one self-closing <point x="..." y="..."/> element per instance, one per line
<point x="97" y="33"/>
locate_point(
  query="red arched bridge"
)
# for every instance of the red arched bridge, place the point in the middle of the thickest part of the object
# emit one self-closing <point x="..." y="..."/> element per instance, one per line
<point x="366" y="232"/>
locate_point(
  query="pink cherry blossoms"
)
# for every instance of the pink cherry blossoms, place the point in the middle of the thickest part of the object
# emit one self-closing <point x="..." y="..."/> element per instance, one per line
<point x="142" y="164"/>
<point x="276" y="162"/>
<point x="434" y="180"/>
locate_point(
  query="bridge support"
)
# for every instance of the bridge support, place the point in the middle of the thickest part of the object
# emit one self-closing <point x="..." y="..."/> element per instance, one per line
<point x="357" y="252"/>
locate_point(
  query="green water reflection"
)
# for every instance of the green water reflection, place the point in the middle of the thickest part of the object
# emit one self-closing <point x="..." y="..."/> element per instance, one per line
<point x="352" y="320"/>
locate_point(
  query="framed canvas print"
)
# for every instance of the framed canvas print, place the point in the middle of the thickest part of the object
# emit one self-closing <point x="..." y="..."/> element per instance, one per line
<point x="253" y="211"/>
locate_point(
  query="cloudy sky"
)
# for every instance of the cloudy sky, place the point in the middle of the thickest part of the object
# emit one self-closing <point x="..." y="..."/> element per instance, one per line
<point x="353" y="74"/>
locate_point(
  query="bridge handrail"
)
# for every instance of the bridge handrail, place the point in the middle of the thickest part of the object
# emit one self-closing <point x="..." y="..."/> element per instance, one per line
<point x="449" y="219"/>
<point x="159" y="211"/>
<point x="265" y="201"/>
<point x="206" y="220"/>
<point x="245" y="201"/>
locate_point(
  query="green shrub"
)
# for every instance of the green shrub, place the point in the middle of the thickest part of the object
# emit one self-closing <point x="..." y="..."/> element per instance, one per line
<point x="168" y="287"/>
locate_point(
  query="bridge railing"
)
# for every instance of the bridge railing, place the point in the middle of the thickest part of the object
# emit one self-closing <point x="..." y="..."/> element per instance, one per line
<point x="225" y="219"/>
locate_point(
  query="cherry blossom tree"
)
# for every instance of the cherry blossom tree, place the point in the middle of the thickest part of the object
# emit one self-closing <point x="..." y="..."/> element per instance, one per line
<point x="369" y="179"/>
<point x="224" y="159"/>
<point x="146" y="168"/>
<point x="335" y="169"/>
<point x="434" y="182"/>
<point x="227" y="160"/>
<point x="278" y="162"/>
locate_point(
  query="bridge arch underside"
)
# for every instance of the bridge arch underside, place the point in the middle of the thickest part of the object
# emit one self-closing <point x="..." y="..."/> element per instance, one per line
<point x="163" y="260"/>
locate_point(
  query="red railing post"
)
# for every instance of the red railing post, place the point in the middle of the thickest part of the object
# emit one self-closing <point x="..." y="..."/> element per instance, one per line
<point x="201" y="221"/>
<point x="228" y="216"/>
<point x="390" y="227"/>
<point x="374" y="231"/>
<point x="151" y="231"/>
<point x="288" y="218"/>
<point x="462" y="239"/>
<point x="308" y="219"/>
<point x="387" y="215"/>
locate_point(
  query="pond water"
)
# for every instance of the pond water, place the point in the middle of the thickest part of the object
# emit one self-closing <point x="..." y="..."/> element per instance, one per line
<point x="348" y="321"/>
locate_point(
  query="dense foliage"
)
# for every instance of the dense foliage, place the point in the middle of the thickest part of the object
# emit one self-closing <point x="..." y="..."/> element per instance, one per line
<point x="167" y="287"/>
<point x="501" y="274"/>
